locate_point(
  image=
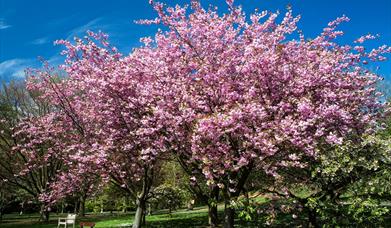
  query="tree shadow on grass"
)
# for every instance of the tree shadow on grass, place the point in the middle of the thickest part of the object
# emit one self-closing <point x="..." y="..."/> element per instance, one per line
<point x="180" y="220"/>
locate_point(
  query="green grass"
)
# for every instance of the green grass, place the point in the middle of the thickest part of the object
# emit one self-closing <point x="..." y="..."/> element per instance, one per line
<point x="198" y="217"/>
<point x="181" y="218"/>
<point x="101" y="220"/>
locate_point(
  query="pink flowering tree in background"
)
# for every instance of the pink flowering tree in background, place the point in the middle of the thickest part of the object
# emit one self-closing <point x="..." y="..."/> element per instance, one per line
<point x="28" y="161"/>
<point x="37" y="157"/>
<point x="81" y="179"/>
<point x="242" y="92"/>
<point x="63" y="136"/>
<point x="113" y="106"/>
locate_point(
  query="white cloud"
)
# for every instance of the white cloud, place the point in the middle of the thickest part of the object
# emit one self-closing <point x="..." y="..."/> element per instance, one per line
<point x="18" y="74"/>
<point x="56" y="60"/>
<point x="3" y="24"/>
<point x="39" y="41"/>
<point x="14" y="68"/>
<point x="80" y="31"/>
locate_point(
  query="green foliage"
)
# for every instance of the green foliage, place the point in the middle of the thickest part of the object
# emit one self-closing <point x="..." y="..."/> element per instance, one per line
<point x="352" y="179"/>
<point x="364" y="210"/>
<point x="168" y="197"/>
<point x="347" y="184"/>
<point x="173" y="187"/>
<point x="110" y="198"/>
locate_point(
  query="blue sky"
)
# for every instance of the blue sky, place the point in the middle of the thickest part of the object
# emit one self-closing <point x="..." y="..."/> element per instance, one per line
<point x="28" y="28"/>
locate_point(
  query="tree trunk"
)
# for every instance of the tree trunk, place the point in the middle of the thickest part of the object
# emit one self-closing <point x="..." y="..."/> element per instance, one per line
<point x="241" y="177"/>
<point x="142" y="198"/>
<point x="143" y="222"/>
<point x="76" y="206"/>
<point x="124" y="205"/>
<point x="44" y="214"/>
<point x="82" y="207"/>
<point x="62" y="207"/>
<point x="138" y="217"/>
<point x="312" y="218"/>
<point x="311" y="212"/>
<point x="229" y="211"/>
<point x="212" y="216"/>
<point x="229" y="215"/>
<point x="21" y="208"/>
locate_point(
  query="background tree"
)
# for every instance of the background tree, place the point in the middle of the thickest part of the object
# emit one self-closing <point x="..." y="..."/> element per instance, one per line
<point x="111" y="106"/>
<point x="6" y="197"/>
<point x="31" y="167"/>
<point x="167" y="197"/>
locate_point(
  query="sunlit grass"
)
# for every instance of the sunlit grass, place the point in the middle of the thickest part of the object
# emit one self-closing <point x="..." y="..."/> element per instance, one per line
<point x="198" y="217"/>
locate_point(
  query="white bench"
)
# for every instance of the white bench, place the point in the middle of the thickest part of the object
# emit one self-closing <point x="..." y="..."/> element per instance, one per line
<point x="69" y="220"/>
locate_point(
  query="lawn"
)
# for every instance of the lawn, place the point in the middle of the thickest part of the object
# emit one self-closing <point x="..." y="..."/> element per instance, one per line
<point x="181" y="218"/>
<point x="198" y="217"/>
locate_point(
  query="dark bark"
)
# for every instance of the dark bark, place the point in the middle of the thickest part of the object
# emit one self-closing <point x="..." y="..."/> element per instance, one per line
<point x="44" y="214"/>
<point x="312" y="218"/>
<point x="82" y="207"/>
<point x="144" y="215"/>
<point x="311" y="212"/>
<point x="212" y="207"/>
<point x="229" y="215"/>
<point x="212" y="216"/>
<point x="208" y="197"/>
<point x="76" y="207"/>
<point x="21" y="209"/>
<point x="229" y="211"/>
<point x="62" y="207"/>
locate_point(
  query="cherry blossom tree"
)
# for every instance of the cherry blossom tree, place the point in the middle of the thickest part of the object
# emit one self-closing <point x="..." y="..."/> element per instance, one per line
<point x="80" y="179"/>
<point x="242" y="91"/>
<point x="111" y="104"/>
<point x="6" y="195"/>
<point x="79" y="174"/>
<point x="26" y="161"/>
